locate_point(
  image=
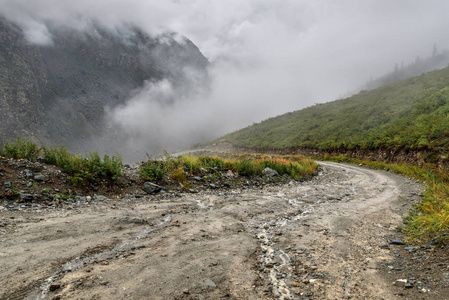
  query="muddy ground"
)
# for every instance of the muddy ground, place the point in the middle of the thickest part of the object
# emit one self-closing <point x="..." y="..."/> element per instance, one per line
<point x="325" y="238"/>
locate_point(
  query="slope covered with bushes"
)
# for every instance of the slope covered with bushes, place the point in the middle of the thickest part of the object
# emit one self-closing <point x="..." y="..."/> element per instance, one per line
<point x="408" y="115"/>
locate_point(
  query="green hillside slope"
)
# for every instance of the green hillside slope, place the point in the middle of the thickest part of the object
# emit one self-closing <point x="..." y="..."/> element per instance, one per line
<point x="408" y="115"/>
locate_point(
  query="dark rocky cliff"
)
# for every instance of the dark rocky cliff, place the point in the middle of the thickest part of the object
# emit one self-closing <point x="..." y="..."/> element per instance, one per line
<point x="57" y="93"/>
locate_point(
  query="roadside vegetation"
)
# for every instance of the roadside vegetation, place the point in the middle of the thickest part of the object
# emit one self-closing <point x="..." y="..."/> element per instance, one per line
<point x="81" y="170"/>
<point x="213" y="168"/>
<point x="92" y="168"/>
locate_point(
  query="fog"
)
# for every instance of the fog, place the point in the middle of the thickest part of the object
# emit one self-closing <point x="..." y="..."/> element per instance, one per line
<point x="267" y="57"/>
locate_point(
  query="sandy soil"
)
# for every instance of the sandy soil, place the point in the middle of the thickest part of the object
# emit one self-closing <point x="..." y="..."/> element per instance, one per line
<point x="327" y="238"/>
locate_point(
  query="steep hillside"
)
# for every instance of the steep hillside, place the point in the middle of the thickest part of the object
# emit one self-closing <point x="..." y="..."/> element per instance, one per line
<point x="58" y="92"/>
<point x="410" y="115"/>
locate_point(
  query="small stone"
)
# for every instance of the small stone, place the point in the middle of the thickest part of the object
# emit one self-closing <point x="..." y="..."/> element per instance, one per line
<point x="28" y="173"/>
<point x="40" y="177"/>
<point x="400" y="282"/>
<point x="197" y="178"/>
<point x="411" y="248"/>
<point x="385" y="247"/>
<point x="229" y="174"/>
<point x="397" y="242"/>
<point x="25" y="197"/>
<point x="270" y="172"/>
<point x="54" y="286"/>
<point x="136" y="220"/>
<point x="408" y="285"/>
<point x="151" y="188"/>
<point x="164" y="255"/>
<point x="210" y="284"/>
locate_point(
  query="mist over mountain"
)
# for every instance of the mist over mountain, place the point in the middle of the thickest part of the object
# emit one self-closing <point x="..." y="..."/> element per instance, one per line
<point x="419" y="66"/>
<point x="72" y="89"/>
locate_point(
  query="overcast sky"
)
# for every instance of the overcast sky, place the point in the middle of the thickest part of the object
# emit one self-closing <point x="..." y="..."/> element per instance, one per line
<point x="269" y="56"/>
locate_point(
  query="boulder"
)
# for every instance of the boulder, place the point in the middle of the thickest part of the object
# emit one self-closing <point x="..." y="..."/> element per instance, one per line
<point x="151" y="188"/>
<point x="270" y="172"/>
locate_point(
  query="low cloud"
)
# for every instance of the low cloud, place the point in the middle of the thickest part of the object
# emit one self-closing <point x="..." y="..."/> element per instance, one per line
<point x="268" y="57"/>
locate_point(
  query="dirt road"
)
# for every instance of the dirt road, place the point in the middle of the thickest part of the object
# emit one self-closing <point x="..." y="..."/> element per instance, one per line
<point x="320" y="239"/>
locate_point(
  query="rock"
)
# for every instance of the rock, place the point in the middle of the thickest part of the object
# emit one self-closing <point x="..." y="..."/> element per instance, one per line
<point x="270" y="172"/>
<point x="54" y="286"/>
<point x="135" y="220"/>
<point x="151" y="188"/>
<point x="213" y="186"/>
<point x="400" y="282"/>
<point x="411" y="248"/>
<point x="25" y="197"/>
<point x="384" y="247"/>
<point x="100" y="198"/>
<point x="28" y="173"/>
<point x="408" y="285"/>
<point x="229" y="174"/>
<point x="210" y="284"/>
<point x="7" y="184"/>
<point x="40" y="177"/>
<point x="397" y="242"/>
<point x="198" y="178"/>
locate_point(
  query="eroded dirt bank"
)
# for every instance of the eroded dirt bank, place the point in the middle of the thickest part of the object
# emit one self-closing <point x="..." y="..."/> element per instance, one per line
<point x="327" y="238"/>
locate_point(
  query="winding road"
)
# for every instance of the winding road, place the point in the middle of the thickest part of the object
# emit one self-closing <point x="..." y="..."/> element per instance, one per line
<point x="319" y="239"/>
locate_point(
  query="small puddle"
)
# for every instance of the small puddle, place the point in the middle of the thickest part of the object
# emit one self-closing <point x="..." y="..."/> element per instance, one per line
<point x="79" y="262"/>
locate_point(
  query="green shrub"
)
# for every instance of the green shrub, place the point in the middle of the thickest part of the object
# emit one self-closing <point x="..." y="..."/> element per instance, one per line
<point x="20" y="149"/>
<point x="84" y="170"/>
<point x="246" y="167"/>
<point x="152" y="172"/>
